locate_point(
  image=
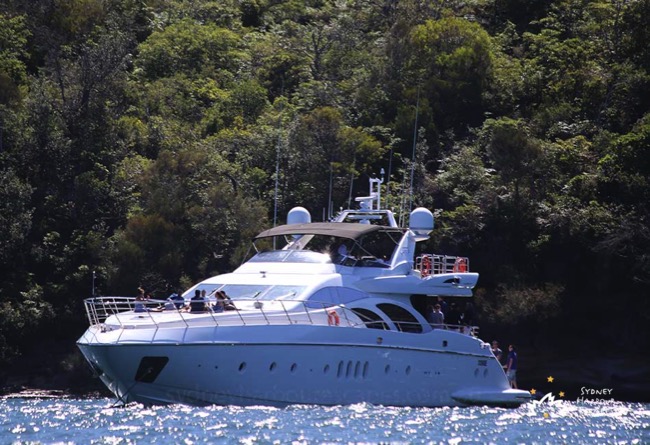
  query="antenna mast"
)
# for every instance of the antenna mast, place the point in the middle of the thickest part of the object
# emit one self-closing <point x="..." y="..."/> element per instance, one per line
<point x="415" y="140"/>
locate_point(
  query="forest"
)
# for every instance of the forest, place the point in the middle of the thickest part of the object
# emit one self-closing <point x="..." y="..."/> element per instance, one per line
<point x="143" y="143"/>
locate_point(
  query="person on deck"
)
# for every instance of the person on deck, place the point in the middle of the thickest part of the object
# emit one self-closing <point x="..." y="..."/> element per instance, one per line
<point x="197" y="303"/>
<point x="139" y="301"/>
<point x="436" y="318"/>
<point x="453" y="315"/>
<point x="511" y="366"/>
<point x="498" y="353"/>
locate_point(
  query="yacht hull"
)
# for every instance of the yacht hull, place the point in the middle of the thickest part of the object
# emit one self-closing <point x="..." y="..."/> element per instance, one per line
<point x="323" y="365"/>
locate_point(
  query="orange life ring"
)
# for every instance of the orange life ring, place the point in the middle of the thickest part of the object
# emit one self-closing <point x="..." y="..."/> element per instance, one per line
<point x="425" y="266"/>
<point x="333" y="318"/>
<point x="460" y="265"/>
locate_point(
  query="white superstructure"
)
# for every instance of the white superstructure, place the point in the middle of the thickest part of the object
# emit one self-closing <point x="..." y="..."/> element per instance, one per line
<point x="324" y="313"/>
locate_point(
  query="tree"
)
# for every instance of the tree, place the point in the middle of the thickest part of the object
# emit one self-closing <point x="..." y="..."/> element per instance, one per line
<point x="451" y="59"/>
<point x="191" y="48"/>
<point x="13" y="51"/>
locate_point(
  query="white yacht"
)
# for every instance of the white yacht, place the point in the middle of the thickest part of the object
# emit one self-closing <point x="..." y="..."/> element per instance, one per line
<point x="324" y="313"/>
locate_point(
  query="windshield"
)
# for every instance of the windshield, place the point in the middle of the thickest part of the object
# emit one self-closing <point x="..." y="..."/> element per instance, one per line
<point x="371" y="250"/>
<point x="251" y="291"/>
<point x="290" y="256"/>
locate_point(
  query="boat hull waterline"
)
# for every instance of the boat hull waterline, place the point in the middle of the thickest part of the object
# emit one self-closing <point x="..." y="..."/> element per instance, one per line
<point x="304" y="371"/>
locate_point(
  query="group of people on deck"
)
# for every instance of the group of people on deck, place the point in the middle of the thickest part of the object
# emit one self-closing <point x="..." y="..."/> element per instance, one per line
<point x="511" y="362"/>
<point x="199" y="303"/>
<point x="443" y="316"/>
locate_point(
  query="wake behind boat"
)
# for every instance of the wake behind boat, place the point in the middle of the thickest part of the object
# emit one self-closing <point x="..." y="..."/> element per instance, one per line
<point x="325" y="313"/>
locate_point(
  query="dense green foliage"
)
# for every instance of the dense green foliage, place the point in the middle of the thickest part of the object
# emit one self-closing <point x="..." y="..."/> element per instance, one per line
<point x="139" y="142"/>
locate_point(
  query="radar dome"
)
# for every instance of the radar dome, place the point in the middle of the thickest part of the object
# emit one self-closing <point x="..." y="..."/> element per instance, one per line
<point x="298" y="215"/>
<point x="421" y="223"/>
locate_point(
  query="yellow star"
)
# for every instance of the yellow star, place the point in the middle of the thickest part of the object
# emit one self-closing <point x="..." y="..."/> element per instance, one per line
<point x="533" y="391"/>
<point x="561" y="393"/>
<point x="550" y="379"/>
<point x="546" y="415"/>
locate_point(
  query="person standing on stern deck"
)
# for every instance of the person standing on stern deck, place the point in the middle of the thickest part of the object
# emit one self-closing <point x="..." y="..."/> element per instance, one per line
<point x="498" y="353"/>
<point x="511" y="366"/>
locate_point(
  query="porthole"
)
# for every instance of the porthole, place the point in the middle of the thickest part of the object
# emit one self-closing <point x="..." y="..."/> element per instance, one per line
<point x="387" y="369"/>
<point x="339" y="370"/>
<point x="476" y="372"/>
<point x="444" y="343"/>
<point x="365" y="369"/>
<point x="293" y="367"/>
<point x="408" y="370"/>
<point x="273" y="366"/>
<point x="326" y="369"/>
<point x="242" y="366"/>
<point x="485" y="372"/>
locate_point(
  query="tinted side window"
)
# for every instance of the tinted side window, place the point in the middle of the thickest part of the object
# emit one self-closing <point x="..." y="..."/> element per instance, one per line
<point x="322" y="298"/>
<point x="403" y="319"/>
<point x="371" y="319"/>
<point x="346" y="295"/>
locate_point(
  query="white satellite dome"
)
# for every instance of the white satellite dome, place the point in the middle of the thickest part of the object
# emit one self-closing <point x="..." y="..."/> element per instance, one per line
<point x="298" y="215"/>
<point x="421" y="223"/>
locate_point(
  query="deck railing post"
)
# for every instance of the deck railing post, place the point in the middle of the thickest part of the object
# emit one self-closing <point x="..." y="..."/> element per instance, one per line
<point x="304" y="306"/>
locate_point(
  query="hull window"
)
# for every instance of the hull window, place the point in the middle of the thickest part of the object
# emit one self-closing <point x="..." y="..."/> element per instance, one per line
<point x="150" y="368"/>
<point x="352" y="370"/>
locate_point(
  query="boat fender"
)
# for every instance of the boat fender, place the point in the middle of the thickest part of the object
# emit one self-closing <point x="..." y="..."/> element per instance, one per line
<point x="333" y="318"/>
<point x="460" y="265"/>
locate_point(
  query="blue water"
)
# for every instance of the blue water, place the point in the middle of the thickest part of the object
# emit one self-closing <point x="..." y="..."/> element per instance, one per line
<point x="95" y="421"/>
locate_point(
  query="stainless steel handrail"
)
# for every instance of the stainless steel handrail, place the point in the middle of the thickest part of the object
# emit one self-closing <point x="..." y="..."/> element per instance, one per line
<point x="100" y="309"/>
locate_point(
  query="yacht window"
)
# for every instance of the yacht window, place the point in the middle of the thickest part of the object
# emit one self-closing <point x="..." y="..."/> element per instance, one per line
<point x="330" y="296"/>
<point x="371" y="319"/>
<point x="322" y="298"/>
<point x="282" y="293"/>
<point x="378" y="245"/>
<point x="244" y="291"/>
<point x="295" y="248"/>
<point x="403" y="319"/>
<point x="377" y="218"/>
<point x="255" y="291"/>
<point x="346" y="295"/>
<point x="290" y="256"/>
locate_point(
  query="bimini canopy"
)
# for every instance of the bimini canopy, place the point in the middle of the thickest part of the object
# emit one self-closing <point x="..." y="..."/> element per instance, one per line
<point x="342" y="230"/>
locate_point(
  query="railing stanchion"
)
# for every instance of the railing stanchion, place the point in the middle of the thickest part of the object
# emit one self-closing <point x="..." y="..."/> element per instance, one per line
<point x="285" y="311"/>
<point x="304" y="306"/>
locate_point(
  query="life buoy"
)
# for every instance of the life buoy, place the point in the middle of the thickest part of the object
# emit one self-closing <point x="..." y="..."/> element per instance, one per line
<point x="333" y="318"/>
<point x="425" y="267"/>
<point x="460" y="265"/>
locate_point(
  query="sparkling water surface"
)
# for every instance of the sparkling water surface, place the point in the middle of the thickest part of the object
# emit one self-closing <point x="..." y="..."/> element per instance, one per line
<point x="97" y="421"/>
